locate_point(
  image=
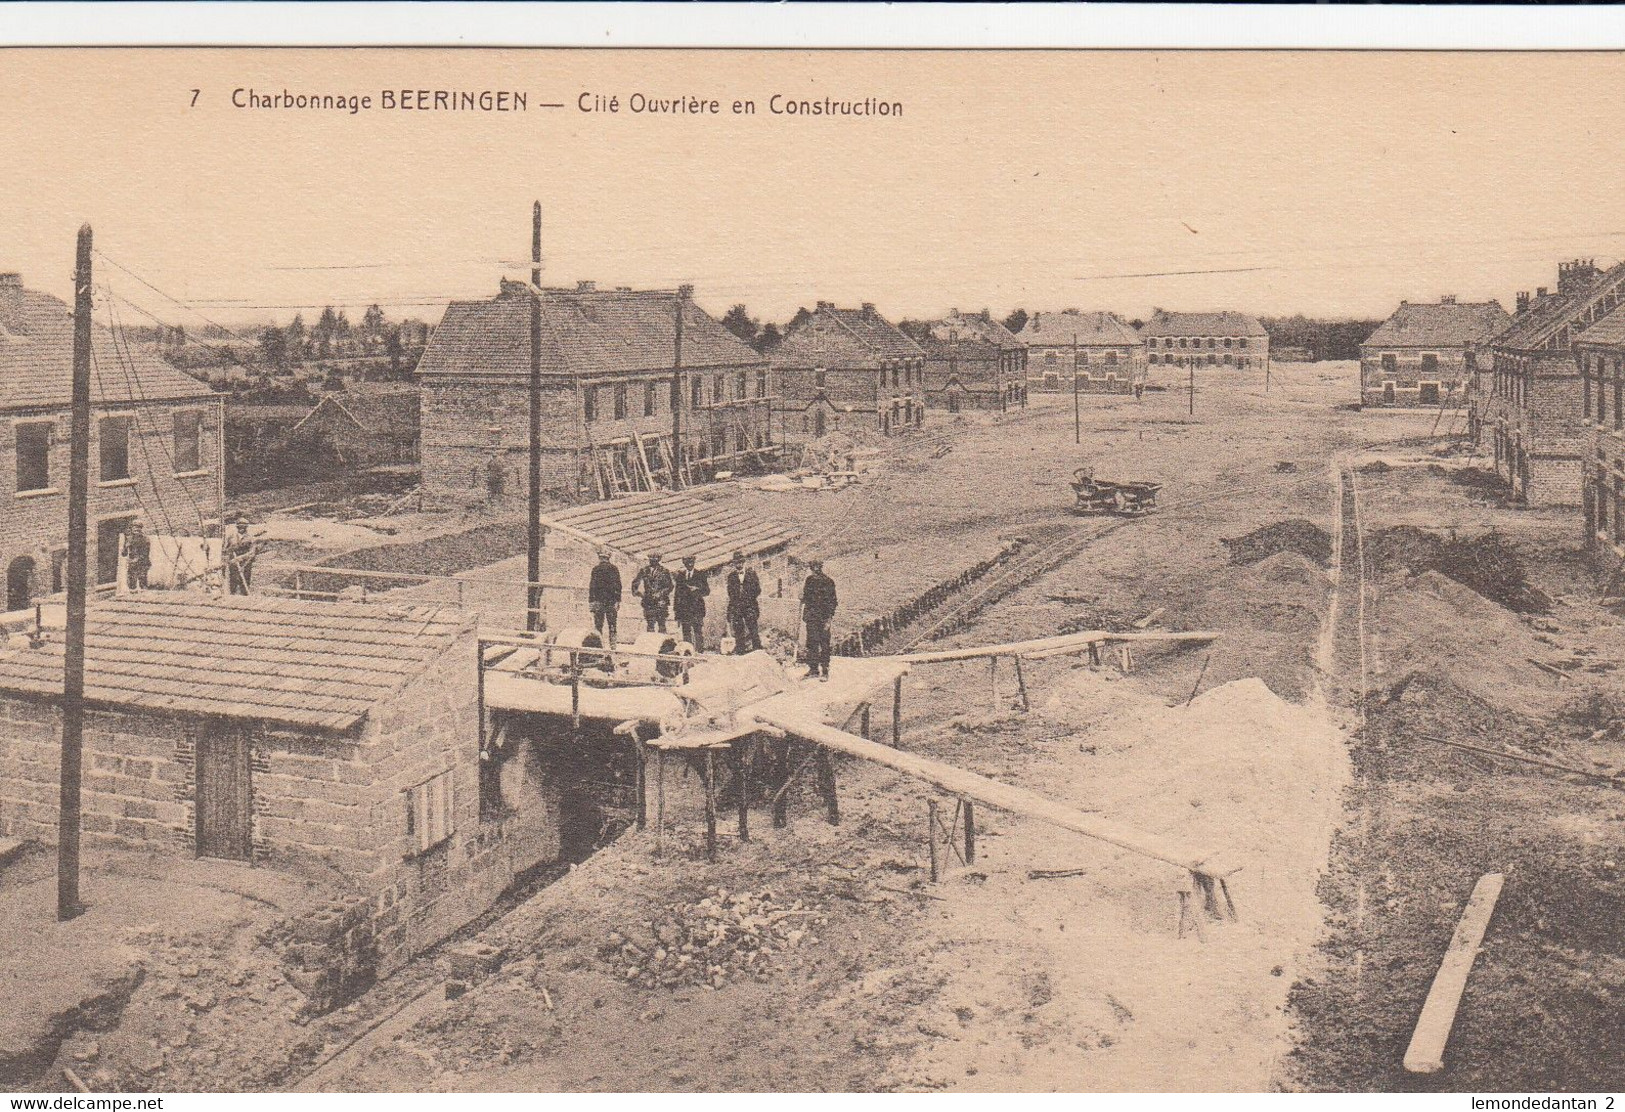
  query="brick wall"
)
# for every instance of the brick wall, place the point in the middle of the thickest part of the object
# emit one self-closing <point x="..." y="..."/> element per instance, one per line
<point x="470" y="430"/>
<point x="1541" y="439"/>
<point x="853" y="400"/>
<point x="34" y="524"/>
<point x="1408" y="374"/>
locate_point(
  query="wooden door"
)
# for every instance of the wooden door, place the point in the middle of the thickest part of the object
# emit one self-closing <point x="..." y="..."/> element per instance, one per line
<point x="224" y="798"/>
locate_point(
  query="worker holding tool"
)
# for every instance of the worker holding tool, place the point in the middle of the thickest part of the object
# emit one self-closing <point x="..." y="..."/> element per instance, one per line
<point x="604" y="597"/>
<point x="689" y="590"/>
<point x="744" y="611"/>
<point x="817" y="610"/>
<point x="240" y="551"/>
<point x="138" y="552"/>
<point x="653" y="585"/>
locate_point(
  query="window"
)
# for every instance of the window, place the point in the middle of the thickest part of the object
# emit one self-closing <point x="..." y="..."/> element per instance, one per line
<point x="818" y="378"/>
<point x="697" y="393"/>
<point x="1390" y="364"/>
<point x="114" y="435"/>
<point x="620" y="401"/>
<point x="108" y="532"/>
<point x="1430" y="365"/>
<point x="1111" y="359"/>
<point x="648" y="399"/>
<point x="1243" y="341"/>
<point x="429" y="816"/>
<point x="1211" y="343"/>
<point x="1227" y="341"/>
<point x="761" y="382"/>
<point x="740" y="383"/>
<point x="1050" y="357"/>
<point x="1211" y="359"/>
<point x="34" y="455"/>
<point x="1427" y="393"/>
<point x="589" y="403"/>
<point x="188" y="455"/>
<point x="719" y="390"/>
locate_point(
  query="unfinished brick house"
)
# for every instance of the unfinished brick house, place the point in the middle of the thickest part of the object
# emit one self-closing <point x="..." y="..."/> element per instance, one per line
<point x="330" y="739"/>
<point x="1534" y="414"/>
<point x="1106" y="351"/>
<point x="846" y="370"/>
<point x="971" y="362"/>
<point x="1427" y="353"/>
<point x="155" y="445"/>
<point x="1206" y="340"/>
<point x="1600" y="353"/>
<point x="607" y="369"/>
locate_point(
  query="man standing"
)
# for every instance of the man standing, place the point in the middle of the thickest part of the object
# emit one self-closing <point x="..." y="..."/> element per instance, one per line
<point x="744" y="588"/>
<point x="653" y="585"/>
<point x="138" y="552"/>
<point x="689" y="591"/>
<point x="604" y="597"/>
<point x="817" y="609"/>
<point x="239" y="553"/>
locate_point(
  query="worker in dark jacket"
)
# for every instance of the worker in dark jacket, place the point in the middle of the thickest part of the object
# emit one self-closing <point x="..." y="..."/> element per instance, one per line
<point x="653" y="585"/>
<point x="744" y="611"/>
<point x="604" y="597"/>
<point x="138" y="550"/>
<point x="239" y="551"/>
<point x="689" y="588"/>
<point x="817" y="610"/>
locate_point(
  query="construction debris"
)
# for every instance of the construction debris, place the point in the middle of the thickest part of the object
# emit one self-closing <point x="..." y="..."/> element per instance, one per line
<point x="726" y="936"/>
<point x="1294" y="535"/>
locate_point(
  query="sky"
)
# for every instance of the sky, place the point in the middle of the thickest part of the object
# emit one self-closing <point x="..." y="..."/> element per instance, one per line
<point x="1331" y="184"/>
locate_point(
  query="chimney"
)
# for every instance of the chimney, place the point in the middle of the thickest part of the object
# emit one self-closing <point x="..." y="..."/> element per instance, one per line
<point x="1540" y="291"/>
<point x="822" y="305"/>
<point x="1574" y="276"/>
<point x="1522" y="305"/>
<point x="586" y="286"/>
<point x="869" y="309"/>
<point x="1447" y="299"/>
<point x="11" y="300"/>
<point x="686" y="290"/>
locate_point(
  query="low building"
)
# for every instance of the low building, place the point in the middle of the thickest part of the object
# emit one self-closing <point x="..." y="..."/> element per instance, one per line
<point x="332" y="739"/>
<point x="849" y="371"/>
<point x="1427" y="353"/>
<point x="1222" y="339"/>
<point x="673" y="525"/>
<point x="608" y="359"/>
<point x="971" y="362"/>
<point x="1533" y="414"/>
<point x="1599" y="351"/>
<point x="1102" y="349"/>
<point x="363" y="427"/>
<point x="155" y="445"/>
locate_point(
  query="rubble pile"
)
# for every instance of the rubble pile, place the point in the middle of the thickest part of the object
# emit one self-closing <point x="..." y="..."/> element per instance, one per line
<point x="1294" y="535"/>
<point x="726" y="936"/>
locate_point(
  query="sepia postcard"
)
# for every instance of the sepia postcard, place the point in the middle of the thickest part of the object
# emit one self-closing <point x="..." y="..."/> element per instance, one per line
<point x="588" y="570"/>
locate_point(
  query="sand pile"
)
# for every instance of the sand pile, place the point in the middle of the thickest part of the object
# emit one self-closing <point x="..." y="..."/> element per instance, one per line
<point x="1294" y="535"/>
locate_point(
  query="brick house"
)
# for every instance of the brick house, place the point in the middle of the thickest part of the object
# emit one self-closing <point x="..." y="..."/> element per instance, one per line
<point x="846" y="370"/>
<point x="155" y="445"/>
<point x="971" y="362"/>
<point x="1427" y="353"/>
<point x="1105" y="350"/>
<point x="607" y="359"/>
<point x="331" y="739"/>
<point x="1533" y="415"/>
<point x="1600" y="353"/>
<point x="1206" y="340"/>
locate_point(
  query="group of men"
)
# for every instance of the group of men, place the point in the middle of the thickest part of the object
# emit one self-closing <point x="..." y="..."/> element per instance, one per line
<point x="664" y="594"/>
<point x="240" y="552"/>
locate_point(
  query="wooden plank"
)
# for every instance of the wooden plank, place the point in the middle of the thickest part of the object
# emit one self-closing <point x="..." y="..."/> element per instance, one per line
<point x="1051" y="645"/>
<point x="1006" y="797"/>
<point x="1426" y="1052"/>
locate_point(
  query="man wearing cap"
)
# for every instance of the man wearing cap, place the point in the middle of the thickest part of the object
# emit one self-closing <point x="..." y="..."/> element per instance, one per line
<point x="138" y="552"/>
<point x="688" y="592"/>
<point x="744" y="588"/>
<point x="817" y="609"/>
<point x="653" y="585"/>
<point x="239" y="553"/>
<point x="604" y="597"/>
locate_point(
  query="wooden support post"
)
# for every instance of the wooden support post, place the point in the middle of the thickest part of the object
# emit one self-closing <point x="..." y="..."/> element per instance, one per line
<point x="826" y="785"/>
<point x="1426" y="1051"/>
<point x="781" y="800"/>
<point x="741" y="756"/>
<point x="575" y="695"/>
<point x="865" y="721"/>
<point x="931" y="837"/>
<point x="897" y="712"/>
<point x="660" y="802"/>
<point x="1021" y="685"/>
<point x="993" y="680"/>
<point x="970" y="832"/>
<point x="640" y="770"/>
<point x="1125" y="659"/>
<point x="710" y="805"/>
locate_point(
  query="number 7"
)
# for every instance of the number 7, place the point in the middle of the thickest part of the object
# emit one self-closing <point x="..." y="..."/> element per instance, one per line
<point x="195" y="92"/>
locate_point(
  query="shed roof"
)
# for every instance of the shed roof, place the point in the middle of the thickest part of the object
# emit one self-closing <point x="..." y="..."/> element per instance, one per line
<point x="36" y="359"/>
<point x="844" y="338"/>
<point x="674" y="525"/>
<point x="1091" y="329"/>
<point x="584" y="333"/>
<point x="1164" y="323"/>
<point x="1440" y="324"/>
<point x="320" y="665"/>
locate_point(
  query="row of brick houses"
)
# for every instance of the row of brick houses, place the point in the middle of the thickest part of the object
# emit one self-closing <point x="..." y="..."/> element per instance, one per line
<point x="1103" y="350"/>
<point x="971" y="362"/>
<point x="1428" y="353"/>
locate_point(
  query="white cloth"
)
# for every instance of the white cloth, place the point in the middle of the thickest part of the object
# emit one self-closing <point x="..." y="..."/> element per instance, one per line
<point x="184" y="563"/>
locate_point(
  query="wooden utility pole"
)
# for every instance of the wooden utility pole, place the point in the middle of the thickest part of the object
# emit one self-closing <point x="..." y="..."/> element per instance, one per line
<point x="676" y="461"/>
<point x="533" y="513"/>
<point x="73" y="655"/>
<point x="1077" y="414"/>
<point x="1192" y="409"/>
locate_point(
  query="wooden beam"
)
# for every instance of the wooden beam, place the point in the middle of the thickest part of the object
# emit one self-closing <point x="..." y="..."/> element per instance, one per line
<point x="1056" y="646"/>
<point x="1426" y="1052"/>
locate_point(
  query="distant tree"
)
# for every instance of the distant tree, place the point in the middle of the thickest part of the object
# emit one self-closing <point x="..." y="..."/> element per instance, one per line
<point x="392" y="345"/>
<point x="739" y="321"/>
<point x="274" y="347"/>
<point x="1136" y="323"/>
<point x="372" y="324"/>
<point x="1016" y="321"/>
<point x="297" y="337"/>
<point x="767" y="339"/>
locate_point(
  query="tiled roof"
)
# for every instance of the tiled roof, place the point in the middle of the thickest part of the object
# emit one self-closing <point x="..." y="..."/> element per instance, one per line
<point x="674" y="525"/>
<point x="964" y="329"/>
<point x="1534" y="328"/>
<point x="322" y="665"/>
<point x="1609" y="330"/>
<point x="1444" y="324"/>
<point x="1164" y="323"/>
<point x="848" y="338"/>
<point x="584" y="333"/>
<point x="1090" y="328"/>
<point x="36" y="360"/>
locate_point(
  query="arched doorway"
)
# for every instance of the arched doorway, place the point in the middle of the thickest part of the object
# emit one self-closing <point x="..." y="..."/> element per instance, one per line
<point x="20" y="583"/>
